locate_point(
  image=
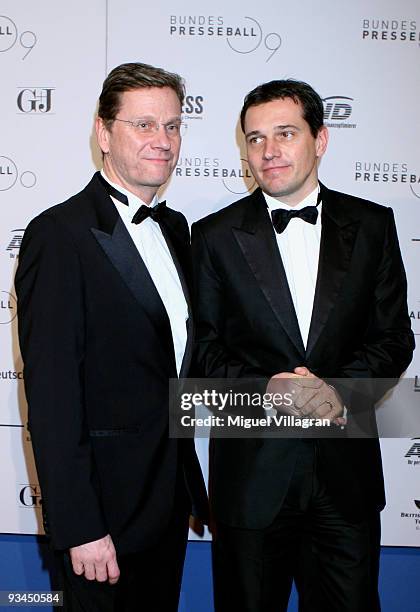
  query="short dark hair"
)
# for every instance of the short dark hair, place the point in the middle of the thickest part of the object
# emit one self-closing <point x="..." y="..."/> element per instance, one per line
<point x="299" y="91"/>
<point x="134" y="75"/>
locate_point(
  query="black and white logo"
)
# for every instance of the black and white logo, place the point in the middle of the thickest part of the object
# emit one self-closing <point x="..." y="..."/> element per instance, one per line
<point x="337" y="111"/>
<point x="10" y="35"/>
<point x="35" y="100"/>
<point x="413" y="453"/>
<point x="390" y="30"/>
<point x="236" y="179"/>
<point x="30" y="496"/>
<point x="8" y="307"/>
<point x="15" y="242"/>
<point x="10" y="175"/>
<point x="391" y="172"/>
<point x="243" y="36"/>
<point x="193" y="107"/>
<point x="414" y="314"/>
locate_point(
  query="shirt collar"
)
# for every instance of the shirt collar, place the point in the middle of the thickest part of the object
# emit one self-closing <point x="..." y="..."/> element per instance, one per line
<point x="134" y="202"/>
<point x="310" y="200"/>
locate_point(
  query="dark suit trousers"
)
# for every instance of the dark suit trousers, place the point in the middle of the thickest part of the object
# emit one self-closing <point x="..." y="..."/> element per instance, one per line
<point x="334" y="561"/>
<point x="150" y="580"/>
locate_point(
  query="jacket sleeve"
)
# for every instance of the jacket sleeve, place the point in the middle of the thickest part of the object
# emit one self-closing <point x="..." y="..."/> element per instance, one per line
<point x="389" y="343"/>
<point x="51" y="323"/>
<point x="214" y="358"/>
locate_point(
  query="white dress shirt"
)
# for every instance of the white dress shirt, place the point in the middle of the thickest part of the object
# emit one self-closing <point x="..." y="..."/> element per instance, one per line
<point x="299" y="249"/>
<point x="153" y="249"/>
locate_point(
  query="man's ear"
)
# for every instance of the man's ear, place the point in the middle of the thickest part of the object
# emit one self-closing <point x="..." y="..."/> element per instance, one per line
<point x="321" y="142"/>
<point x="102" y="135"/>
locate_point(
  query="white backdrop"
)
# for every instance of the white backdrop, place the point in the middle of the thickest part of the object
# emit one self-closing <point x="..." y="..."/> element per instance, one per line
<point x="361" y="57"/>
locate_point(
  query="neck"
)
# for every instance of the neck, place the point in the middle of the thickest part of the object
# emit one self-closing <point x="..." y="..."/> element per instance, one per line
<point x="295" y="198"/>
<point x="145" y="193"/>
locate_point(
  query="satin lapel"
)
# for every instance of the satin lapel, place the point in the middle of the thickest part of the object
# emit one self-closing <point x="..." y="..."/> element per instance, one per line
<point x="257" y="241"/>
<point x="114" y="239"/>
<point x="179" y="249"/>
<point x="338" y="235"/>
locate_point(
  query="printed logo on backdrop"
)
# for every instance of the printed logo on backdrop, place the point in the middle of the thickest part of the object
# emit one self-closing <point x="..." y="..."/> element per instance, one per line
<point x="414" y="314"/>
<point x="388" y="172"/>
<point x="413" y="453"/>
<point x="193" y="108"/>
<point x="413" y="517"/>
<point x="8" y="307"/>
<point x="245" y="35"/>
<point x="337" y="112"/>
<point x="12" y="37"/>
<point x="15" y="242"/>
<point x="11" y="375"/>
<point x="34" y="100"/>
<point x="403" y="31"/>
<point x="235" y="179"/>
<point x="10" y="175"/>
<point x="29" y="496"/>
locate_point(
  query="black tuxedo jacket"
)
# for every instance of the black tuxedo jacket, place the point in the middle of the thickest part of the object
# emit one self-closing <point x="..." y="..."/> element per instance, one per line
<point x="247" y="327"/>
<point x="98" y="352"/>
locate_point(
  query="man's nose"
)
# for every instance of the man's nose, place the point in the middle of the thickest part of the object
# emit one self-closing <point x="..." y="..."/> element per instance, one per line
<point x="161" y="139"/>
<point x="271" y="149"/>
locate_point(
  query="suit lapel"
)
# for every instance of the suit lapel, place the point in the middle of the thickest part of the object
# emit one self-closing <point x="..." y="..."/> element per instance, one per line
<point x="178" y="245"/>
<point x="116" y="242"/>
<point x="257" y="241"/>
<point x="338" y="234"/>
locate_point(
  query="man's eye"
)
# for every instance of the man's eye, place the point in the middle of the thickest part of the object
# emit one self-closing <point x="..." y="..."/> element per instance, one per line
<point x="287" y="134"/>
<point x="255" y="140"/>
<point x="173" y="127"/>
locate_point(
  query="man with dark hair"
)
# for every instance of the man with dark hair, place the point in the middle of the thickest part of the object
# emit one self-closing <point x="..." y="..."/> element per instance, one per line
<point x="104" y="323"/>
<point x="298" y="283"/>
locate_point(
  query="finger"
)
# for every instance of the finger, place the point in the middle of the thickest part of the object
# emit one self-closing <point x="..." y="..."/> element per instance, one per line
<point x="113" y="571"/>
<point x="328" y="411"/>
<point x="89" y="571"/>
<point x="101" y="573"/>
<point x="286" y="375"/>
<point x="302" y="371"/>
<point x="315" y="402"/>
<point x="309" y="381"/>
<point x="77" y="567"/>
<point x="323" y="412"/>
<point x="303" y="400"/>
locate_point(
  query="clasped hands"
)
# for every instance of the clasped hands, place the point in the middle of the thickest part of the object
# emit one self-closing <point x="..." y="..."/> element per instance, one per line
<point x="312" y="396"/>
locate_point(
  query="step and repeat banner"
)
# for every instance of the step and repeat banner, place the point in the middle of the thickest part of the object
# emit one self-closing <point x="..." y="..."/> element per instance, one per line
<point x="363" y="58"/>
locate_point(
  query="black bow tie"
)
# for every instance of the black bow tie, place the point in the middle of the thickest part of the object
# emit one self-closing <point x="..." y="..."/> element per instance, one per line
<point x="154" y="212"/>
<point x="281" y="217"/>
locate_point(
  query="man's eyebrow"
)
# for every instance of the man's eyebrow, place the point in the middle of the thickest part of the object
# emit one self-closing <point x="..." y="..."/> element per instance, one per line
<point x="285" y="127"/>
<point x="153" y="118"/>
<point x="276" y="127"/>
<point x="253" y="133"/>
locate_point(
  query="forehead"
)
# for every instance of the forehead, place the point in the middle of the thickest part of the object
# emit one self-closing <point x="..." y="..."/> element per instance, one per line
<point x="156" y="101"/>
<point x="283" y="111"/>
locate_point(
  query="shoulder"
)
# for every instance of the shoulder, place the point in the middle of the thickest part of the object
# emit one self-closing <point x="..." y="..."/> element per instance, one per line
<point x="75" y="211"/>
<point x="355" y="206"/>
<point x="228" y="216"/>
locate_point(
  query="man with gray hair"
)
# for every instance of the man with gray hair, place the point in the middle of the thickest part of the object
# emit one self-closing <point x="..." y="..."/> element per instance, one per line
<point x="104" y="322"/>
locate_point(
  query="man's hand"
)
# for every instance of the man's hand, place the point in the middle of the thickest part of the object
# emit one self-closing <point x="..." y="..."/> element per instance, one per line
<point x="312" y="396"/>
<point x="96" y="560"/>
